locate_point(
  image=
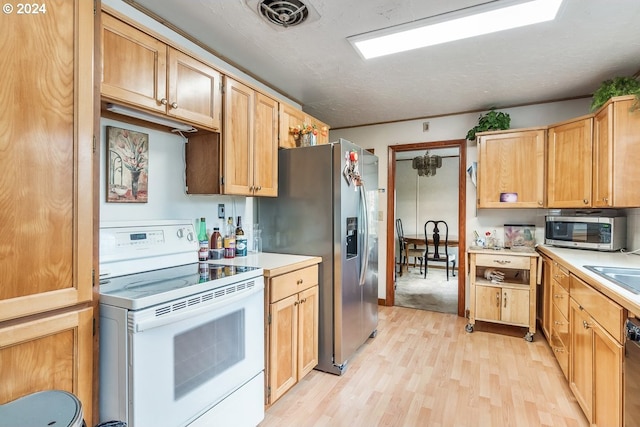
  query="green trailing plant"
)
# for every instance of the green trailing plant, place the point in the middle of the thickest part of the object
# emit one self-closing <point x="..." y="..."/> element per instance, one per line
<point x="618" y="86"/>
<point x="493" y="120"/>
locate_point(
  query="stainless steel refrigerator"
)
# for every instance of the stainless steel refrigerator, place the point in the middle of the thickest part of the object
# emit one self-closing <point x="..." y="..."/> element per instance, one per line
<point x="327" y="206"/>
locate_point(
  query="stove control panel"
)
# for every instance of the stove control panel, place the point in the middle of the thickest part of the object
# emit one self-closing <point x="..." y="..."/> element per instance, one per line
<point x="159" y="242"/>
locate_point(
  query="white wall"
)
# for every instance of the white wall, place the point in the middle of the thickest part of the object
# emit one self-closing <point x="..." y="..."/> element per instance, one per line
<point x="380" y="137"/>
<point x="167" y="198"/>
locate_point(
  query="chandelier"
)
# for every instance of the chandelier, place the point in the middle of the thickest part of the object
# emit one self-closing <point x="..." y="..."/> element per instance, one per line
<point x="426" y="165"/>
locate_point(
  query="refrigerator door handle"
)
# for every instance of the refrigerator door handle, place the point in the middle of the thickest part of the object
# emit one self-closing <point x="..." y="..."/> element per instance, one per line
<point x="365" y="254"/>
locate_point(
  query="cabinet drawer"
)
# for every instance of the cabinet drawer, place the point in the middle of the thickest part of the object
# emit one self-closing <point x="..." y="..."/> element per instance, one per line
<point x="562" y="354"/>
<point x="560" y="326"/>
<point x="560" y="298"/>
<point x="604" y="311"/>
<point x="293" y="282"/>
<point x="561" y="275"/>
<point x="504" y="261"/>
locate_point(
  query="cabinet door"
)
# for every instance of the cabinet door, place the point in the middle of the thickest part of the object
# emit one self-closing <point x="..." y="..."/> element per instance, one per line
<point x="289" y="117"/>
<point x="46" y="158"/>
<point x="237" y="141"/>
<point x="134" y="66"/>
<point x="487" y="302"/>
<point x="511" y="163"/>
<point x="626" y="153"/>
<point x="54" y="352"/>
<point x="607" y="378"/>
<point x="194" y="91"/>
<point x="603" y="157"/>
<point x="265" y="152"/>
<point x="283" y="337"/>
<point x="569" y="166"/>
<point x="581" y="358"/>
<point x="307" y="331"/>
<point x="515" y="306"/>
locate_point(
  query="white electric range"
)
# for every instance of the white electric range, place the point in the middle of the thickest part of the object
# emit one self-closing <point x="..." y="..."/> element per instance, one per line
<point x="181" y="342"/>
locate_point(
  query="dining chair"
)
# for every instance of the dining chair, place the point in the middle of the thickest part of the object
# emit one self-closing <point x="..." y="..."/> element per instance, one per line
<point x="433" y="250"/>
<point x="406" y="251"/>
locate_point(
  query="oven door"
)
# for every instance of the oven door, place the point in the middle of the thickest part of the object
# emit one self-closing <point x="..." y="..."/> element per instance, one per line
<point x="184" y="363"/>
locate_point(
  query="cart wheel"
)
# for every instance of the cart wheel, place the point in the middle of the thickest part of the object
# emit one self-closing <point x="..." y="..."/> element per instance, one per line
<point x="468" y="327"/>
<point x="528" y="337"/>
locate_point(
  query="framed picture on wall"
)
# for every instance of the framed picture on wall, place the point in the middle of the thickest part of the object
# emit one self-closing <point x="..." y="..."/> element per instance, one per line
<point x="128" y="166"/>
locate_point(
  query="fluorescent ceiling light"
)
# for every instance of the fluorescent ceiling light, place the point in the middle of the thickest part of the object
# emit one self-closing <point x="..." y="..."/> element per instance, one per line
<point x="462" y="24"/>
<point x="136" y="114"/>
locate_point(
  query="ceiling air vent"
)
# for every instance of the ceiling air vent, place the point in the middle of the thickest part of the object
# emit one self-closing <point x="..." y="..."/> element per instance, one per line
<point x="282" y="14"/>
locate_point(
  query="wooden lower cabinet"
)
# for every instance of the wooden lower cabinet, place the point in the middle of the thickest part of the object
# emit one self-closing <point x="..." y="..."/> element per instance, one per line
<point x="512" y="301"/>
<point x="52" y="352"/>
<point x="596" y="361"/>
<point x="292" y="330"/>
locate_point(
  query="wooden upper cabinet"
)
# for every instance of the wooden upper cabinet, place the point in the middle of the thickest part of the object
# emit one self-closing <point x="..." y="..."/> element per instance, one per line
<point x="134" y="66"/>
<point x="194" y="91"/>
<point x="141" y="71"/>
<point x="291" y="117"/>
<point x="265" y="159"/>
<point x="250" y="141"/>
<point x="569" y="164"/>
<point x="511" y="162"/>
<point x="616" y="154"/>
<point x="46" y="156"/>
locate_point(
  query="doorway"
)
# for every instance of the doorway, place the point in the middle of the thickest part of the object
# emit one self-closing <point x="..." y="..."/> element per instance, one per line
<point x="391" y="214"/>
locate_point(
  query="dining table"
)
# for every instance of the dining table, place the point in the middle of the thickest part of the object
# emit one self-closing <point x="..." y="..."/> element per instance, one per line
<point x="418" y="239"/>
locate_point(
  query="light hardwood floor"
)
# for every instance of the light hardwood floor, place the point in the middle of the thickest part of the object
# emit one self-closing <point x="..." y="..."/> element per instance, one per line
<point x="423" y="369"/>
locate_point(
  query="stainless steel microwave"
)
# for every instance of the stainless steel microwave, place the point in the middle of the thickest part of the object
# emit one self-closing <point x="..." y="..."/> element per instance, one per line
<point x="586" y="232"/>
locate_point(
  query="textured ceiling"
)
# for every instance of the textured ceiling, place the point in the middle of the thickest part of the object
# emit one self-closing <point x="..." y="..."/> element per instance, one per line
<point x="314" y="64"/>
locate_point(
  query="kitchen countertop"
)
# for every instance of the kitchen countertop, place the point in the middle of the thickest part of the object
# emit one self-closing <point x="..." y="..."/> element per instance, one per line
<point x="576" y="259"/>
<point x="273" y="264"/>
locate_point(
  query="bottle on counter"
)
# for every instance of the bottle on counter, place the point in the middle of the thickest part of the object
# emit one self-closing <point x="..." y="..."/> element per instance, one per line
<point x="241" y="240"/>
<point x="203" y="241"/>
<point x="216" y="248"/>
<point x="229" y="241"/>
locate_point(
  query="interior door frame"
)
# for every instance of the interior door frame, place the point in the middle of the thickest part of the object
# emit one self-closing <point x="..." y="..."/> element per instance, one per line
<point x="461" y="144"/>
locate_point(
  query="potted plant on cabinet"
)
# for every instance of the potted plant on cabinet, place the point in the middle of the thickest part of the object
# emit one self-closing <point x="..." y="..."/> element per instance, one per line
<point x="618" y="86"/>
<point x="493" y="120"/>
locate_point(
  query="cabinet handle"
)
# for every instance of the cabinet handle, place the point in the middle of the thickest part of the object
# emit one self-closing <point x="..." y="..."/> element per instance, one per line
<point x="502" y="261"/>
<point x="303" y="300"/>
<point x="540" y="202"/>
<point x="558" y="350"/>
<point x="174" y="105"/>
<point x="585" y="324"/>
<point x="555" y="322"/>
<point x="585" y="201"/>
<point x="505" y="300"/>
<point x="164" y="101"/>
<point x="558" y="296"/>
<point x="299" y="282"/>
<point x="296" y="303"/>
<point x="605" y="199"/>
<point x="497" y="299"/>
<point x="259" y="187"/>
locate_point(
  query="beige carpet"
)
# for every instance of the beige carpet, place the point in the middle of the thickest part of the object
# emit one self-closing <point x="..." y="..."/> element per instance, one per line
<point x="432" y="294"/>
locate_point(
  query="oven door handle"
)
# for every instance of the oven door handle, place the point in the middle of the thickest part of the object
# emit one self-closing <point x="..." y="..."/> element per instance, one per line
<point x="144" y="324"/>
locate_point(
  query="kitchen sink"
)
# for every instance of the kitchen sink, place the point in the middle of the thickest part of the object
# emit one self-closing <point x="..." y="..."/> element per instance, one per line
<point x="628" y="278"/>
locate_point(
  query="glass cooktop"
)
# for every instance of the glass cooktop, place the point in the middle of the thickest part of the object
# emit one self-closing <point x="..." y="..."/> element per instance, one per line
<point x="139" y="290"/>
